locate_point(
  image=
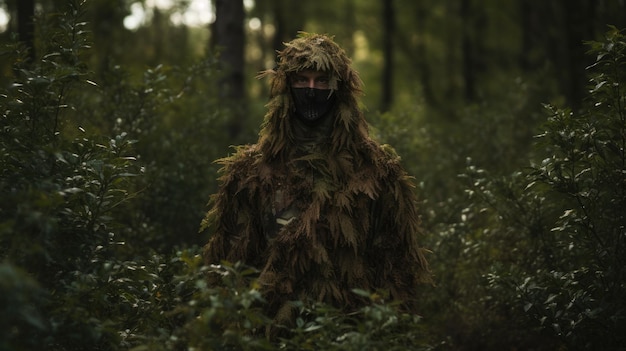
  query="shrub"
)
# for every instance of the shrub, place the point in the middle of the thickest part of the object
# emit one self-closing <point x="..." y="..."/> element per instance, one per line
<point x="556" y="230"/>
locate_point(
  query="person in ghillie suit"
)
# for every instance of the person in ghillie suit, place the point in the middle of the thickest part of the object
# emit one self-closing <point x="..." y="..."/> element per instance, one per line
<point x="317" y="205"/>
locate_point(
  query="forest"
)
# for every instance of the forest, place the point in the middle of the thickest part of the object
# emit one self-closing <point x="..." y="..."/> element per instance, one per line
<point x="510" y="115"/>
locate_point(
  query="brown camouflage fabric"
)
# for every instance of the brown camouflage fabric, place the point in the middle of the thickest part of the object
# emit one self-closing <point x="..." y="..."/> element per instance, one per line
<point x="318" y="211"/>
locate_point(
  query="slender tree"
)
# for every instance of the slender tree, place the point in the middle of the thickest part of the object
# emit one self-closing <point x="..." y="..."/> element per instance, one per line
<point x="467" y="48"/>
<point x="289" y="18"/>
<point x="26" y="25"/>
<point x="388" y="47"/>
<point x="229" y="40"/>
<point x="574" y="51"/>
<point x="423" y="67"/>
<point x="526" y="27"/>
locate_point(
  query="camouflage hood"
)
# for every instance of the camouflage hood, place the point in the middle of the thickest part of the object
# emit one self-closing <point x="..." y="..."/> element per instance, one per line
<point x="321" y="53"/>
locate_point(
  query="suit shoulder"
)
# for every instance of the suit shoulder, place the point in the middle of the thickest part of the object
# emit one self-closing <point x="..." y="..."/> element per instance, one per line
<point x="242" y="155"/>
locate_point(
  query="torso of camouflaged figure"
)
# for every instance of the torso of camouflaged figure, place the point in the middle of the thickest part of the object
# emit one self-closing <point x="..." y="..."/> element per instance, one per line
<point x="293" y="184"/>
<point x="284" y="209"/>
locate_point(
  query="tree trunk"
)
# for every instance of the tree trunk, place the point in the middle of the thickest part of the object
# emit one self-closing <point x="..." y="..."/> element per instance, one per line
<point x="526" y="26"/>
<point x="387" y="75"/>
<point x="349" y="25"/>
<point x="574" y="77"/>
<point x="280" y="25"/>
<point x="422" y="62"/>
<point x="288" y="19"/>
<point x="26" y="26"/>
<point x="229" y="41"/>
<point x="467" y="49"/>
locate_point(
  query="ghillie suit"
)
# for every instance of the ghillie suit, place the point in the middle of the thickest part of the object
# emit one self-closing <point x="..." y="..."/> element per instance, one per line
<point x="318" y="209"/>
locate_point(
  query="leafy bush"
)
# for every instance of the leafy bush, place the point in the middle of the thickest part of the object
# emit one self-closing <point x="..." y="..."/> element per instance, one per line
<point x="556" y="230"/>
<point x="66" y="219"/>
<point x="20" y="301"/>
<point x="176" y="123"/>
<point x="230" y="317"/>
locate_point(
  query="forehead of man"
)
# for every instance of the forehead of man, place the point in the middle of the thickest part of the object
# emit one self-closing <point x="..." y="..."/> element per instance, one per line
<point x="311" y="73"/>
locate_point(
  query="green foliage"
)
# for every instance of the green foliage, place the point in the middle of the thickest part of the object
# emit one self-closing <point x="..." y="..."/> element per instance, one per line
<point x="527" y="254"/>
<point x="66" y="218"/>
<point x="581" y="296"/>
<point x="20" y="301"/>
<point x="374" y="327"/>
<point x="563" y="276"/>
<point x="177" y="125"/>
<point x="59" y="195"/>
<point x="230" y="317"/>
<point x="227" y="317"/>
<point x="57" y="192"/>
<point x="101" y="176"/>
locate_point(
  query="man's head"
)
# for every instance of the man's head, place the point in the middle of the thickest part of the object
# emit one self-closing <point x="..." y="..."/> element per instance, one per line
<point x="314" y="70"/>
<point x="312" y="79"/>
<point x="317" y="53"/>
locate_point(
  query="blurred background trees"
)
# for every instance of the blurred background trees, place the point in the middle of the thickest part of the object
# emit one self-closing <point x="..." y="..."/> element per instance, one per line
<point x="509" y="114"/>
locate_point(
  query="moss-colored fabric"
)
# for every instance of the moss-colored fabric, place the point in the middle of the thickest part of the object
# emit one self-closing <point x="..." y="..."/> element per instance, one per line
<point x="354" y="225"/>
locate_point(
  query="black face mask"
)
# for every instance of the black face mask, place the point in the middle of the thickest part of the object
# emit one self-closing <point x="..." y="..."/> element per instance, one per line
<point x="312" y="104"/>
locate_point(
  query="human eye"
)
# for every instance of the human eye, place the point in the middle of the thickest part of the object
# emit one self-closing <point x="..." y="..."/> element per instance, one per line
<point x="322" y="81"/>
<point x="299" y="80"/>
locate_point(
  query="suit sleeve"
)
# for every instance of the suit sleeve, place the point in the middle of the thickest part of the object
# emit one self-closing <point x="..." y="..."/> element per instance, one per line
<point x="233" y="218"/>
<point x="397" y="261"/>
